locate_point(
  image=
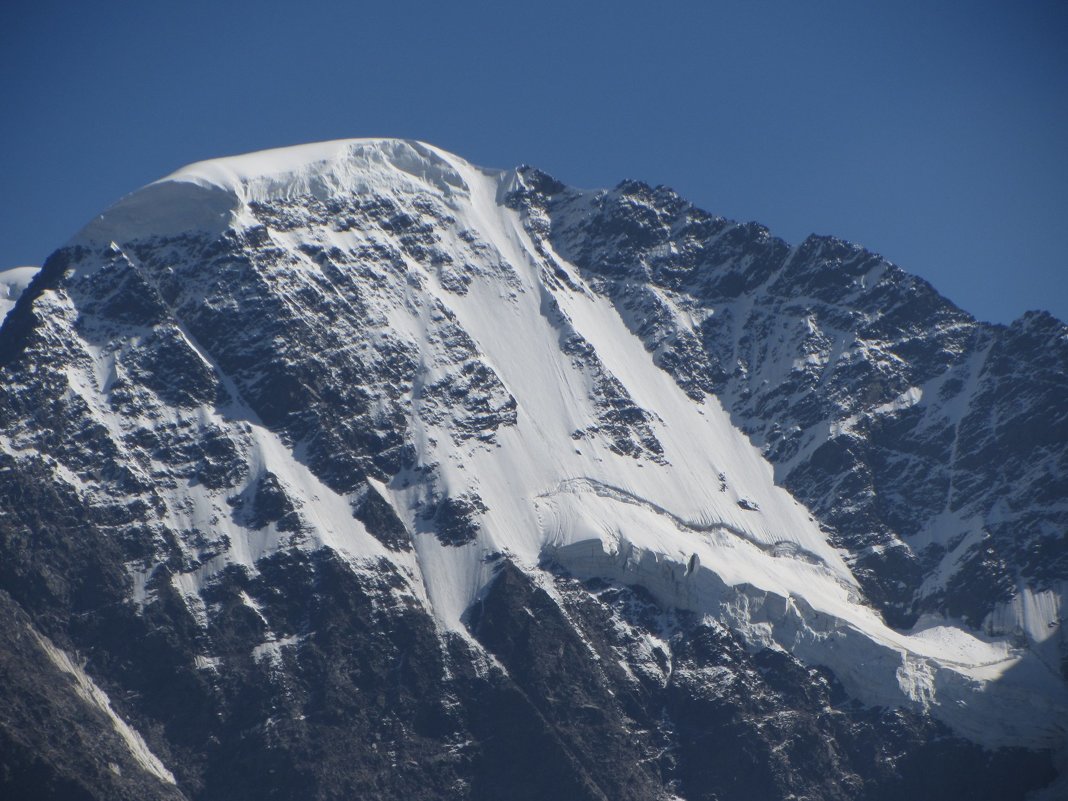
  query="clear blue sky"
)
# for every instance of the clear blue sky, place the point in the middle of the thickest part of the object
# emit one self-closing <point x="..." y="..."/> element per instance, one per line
<point x="934" y="133"/>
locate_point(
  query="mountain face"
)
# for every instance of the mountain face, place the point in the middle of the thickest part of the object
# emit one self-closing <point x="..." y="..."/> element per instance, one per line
<point x="354" y="470"/>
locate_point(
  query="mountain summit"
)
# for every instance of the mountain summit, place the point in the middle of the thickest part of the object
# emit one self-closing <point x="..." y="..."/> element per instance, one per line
<point x="354" y="469"/>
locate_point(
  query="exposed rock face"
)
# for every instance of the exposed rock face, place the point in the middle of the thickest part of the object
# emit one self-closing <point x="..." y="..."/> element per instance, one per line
<point x="355" y="470"/>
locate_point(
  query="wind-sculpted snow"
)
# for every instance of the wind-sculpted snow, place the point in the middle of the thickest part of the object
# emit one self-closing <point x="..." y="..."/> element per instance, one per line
<point x="371" y="373"/>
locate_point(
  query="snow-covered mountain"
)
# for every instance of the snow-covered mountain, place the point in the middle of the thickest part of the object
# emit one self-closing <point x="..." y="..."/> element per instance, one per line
<point x="12" y="284"/>
<point x="355" y="469"/>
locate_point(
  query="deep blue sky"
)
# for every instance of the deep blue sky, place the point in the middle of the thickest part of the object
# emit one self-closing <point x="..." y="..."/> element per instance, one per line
<point x="934" y="133"/>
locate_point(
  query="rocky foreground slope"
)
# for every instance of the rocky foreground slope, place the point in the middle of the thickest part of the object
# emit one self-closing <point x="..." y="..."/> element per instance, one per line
<point x="354" y="470"/>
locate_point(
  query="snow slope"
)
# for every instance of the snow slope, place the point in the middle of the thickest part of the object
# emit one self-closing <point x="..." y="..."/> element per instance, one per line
<point x="12" y="284"/>
<point x="609" y="469"/>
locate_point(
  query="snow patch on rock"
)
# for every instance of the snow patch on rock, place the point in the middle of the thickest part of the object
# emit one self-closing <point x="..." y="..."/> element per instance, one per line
<point x="13" y="282"/>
